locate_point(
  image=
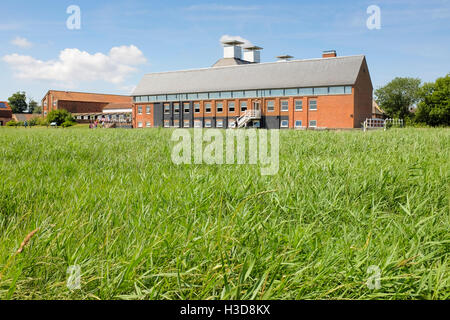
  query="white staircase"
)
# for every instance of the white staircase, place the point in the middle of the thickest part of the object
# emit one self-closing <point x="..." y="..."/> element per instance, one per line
<point x="245" y="118"/>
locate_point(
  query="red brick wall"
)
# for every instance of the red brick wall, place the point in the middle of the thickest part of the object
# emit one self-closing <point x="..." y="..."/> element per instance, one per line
<point x="363" y="93"/>
<point x="333" y="111"/>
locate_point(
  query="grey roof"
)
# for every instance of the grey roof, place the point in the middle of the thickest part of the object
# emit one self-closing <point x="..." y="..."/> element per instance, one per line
<point x="290" y="74"/>
<point x="224" y="62"/>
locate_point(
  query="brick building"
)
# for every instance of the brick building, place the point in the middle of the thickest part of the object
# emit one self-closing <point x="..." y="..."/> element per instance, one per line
<point x="86" y="107"/>
<point x="239" y="91"/>
<point x="5" y="113"/>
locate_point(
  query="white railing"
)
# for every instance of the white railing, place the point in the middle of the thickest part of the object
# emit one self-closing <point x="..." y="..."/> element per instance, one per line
<point x="381" y="124"/>
<point x="247" y="116"/>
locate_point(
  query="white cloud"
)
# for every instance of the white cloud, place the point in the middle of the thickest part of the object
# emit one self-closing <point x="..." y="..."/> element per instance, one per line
<point x="227" y="37"/>
<point x="21" y="42"/>
<point x="74" y="66"/>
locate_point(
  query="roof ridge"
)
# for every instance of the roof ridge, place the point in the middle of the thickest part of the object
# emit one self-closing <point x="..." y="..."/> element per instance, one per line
<point x="253" y="64"/>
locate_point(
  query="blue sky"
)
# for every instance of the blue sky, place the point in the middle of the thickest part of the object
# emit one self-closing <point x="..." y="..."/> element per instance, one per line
<point x="153" y="36"/>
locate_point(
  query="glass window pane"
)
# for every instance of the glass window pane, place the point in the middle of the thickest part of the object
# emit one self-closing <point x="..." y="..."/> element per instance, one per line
<point x="192" y="96"/>
<point x="226" y="95"/>
<point x="238" y="94"/>
<point x="348" y="90"/>
<point x="203" y="96"/>
<point x="305" y="91"/>
<point x="320" y="91"/>
<point x="277" y="92"/>
<point x="291" y="92"/>
<point x="162" y="98"/>
<point x="172" y="97"/>
<point x="251" y="94"/>
<point x="152" y="98"/>
<point x="214" y="95"/>
<point x="337" y="90"/>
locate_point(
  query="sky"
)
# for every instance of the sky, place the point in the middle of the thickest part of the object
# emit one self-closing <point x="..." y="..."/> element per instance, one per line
<point x="119" y="41"/>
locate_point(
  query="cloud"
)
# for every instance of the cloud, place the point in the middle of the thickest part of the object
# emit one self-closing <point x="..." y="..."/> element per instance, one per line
<point x="227" y="37"/>
<point x="21" y="42"/>
<point x="74" y="66"/>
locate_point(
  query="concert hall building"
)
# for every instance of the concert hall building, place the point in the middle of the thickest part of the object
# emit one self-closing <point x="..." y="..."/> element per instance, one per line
<point x="239" y="91"/>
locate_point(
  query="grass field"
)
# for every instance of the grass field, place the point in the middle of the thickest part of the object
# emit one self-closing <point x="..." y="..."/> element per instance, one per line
<point x="140" y="227"/>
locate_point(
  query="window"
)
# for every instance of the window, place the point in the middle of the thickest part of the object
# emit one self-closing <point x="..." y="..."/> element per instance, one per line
<point x="226" y="95"/>
<point x="166" y="108"/>
<point x="219" y="123"/>
<point x="186" y="124"/>
<point x="284" y="123"/>
<point x="148" y="109"/>
<point x="291" y="92"/>
<point x="243" y="106"/>
<point x="192" y="96"/>
<point x="219" y="107"/>
<point x="337" y="90"/>
<point x="54" y="103"/>
<point x="197" y="123"/>
<point x="45" y="103"/>
<point x="214" y="95"/>
<point x="298" y="105"/>
<point x="208" y="123"/>
<point x="186" y="107"/>
<point x="176" y="123"/>
<point x="256" y="124"/>
<point x="231" y="106"/>
<point x="197" y="107"/>
<point x="313" y="105"/>
<point x="238" y="94"/>
<point x="166" y="123"/>
<point x="208" y="107"/>
<point x="277" y="93"/>
<point x="298" y="123"/>
<point x="305" y="91"/>
<point x="176" y="108"/>
<point x="270" y="106"/>
<point x="348" y="90"/>
<point x="284" y="105"/>
<point x="148" y="125"/>
<point x="172" y="97"/>
<point x="313" y="123"/>
<point x="79" y="117"/>
<point x="139" y="124"/>
<point x="320" y="91"/>
<point x="139" y="110"/>
<point x="203" y="96"/>
<point x="231" y="123"/>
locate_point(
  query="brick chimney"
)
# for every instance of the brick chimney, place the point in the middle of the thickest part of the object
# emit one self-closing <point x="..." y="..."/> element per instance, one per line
<point x="329" y="54"/>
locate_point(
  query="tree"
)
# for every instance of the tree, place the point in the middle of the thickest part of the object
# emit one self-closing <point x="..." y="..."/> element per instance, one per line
<point x="18" y="102"/>
<point x="434" y="107"/>
<point x="59" y="116"/>
<point x="32" y="106"/>
<point x="397" y="96"/>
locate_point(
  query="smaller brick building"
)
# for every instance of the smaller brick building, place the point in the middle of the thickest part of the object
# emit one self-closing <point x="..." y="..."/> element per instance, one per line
<point x="86" y="107"/>
<point x="5" y="113"/>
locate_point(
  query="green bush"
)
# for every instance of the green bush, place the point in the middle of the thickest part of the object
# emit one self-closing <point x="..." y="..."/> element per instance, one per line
<point x="12" y="123"/>
<point x="67" y="124"/>
<point x="59" y="116"/>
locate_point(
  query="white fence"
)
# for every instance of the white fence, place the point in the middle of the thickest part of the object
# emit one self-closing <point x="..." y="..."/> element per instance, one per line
<point x="371" y="124"/>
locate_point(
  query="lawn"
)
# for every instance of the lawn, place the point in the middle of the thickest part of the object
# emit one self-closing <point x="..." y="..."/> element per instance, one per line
<point x="140" y="227"/>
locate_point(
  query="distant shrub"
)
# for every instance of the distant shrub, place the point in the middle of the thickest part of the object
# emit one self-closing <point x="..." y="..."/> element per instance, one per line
<point x="59" y="116"/>
<point x="67" y="124"/>
<point x="12" y="123"/>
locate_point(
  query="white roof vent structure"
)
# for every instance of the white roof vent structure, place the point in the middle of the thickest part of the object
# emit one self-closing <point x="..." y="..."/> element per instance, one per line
<point x="284" y="58"/>
<point x="232" y="49"/>
<point x="252" y="54"/>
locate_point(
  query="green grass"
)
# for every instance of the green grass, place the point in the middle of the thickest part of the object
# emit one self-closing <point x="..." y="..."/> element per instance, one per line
<point x="140" y="227"/>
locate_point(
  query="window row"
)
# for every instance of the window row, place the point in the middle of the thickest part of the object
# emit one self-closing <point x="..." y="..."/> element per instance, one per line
<point x="247" y="94"/>
<point x="220" y="124"/>
<point x="270" y="107"/>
